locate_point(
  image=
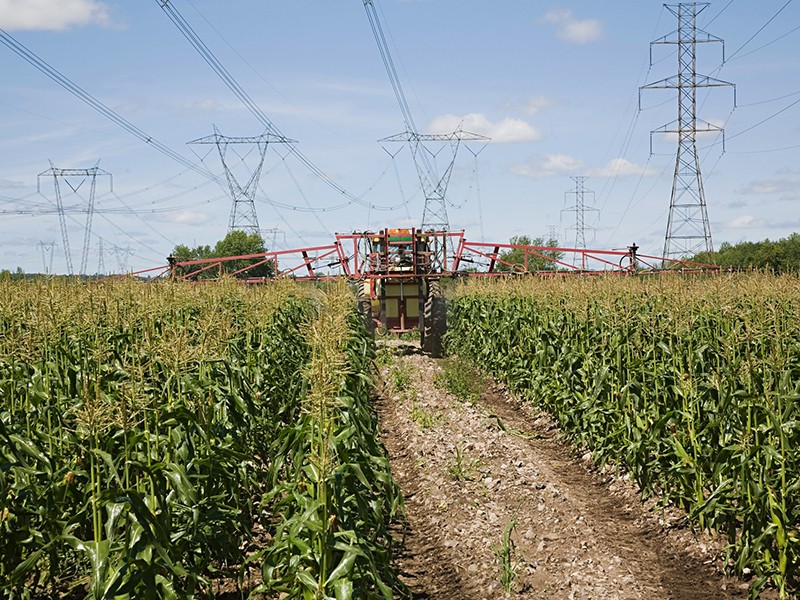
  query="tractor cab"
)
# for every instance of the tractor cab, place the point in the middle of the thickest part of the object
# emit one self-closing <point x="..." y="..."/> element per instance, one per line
<point x="401" y="291"/>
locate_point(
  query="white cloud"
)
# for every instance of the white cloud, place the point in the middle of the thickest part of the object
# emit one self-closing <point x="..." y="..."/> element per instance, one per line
<point x="744" y="222"/>
<point x="8" y="184"/>
<point x="621" y="167"/>
<point x="506" y="130"/>
<point x="52" y="14"/>
<point x="537" y="104"/>
<point x="206" y="105"/>
<point x="735" y="204"/>
<point x="784" y="171"/>
<point x="183" y="217"/>
<point x="576" y="31"/>
<point x="784" y="188"/>
<point x="545" y="166"/>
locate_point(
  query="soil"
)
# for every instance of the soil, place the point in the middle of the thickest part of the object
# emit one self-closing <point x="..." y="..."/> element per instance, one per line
<point x="471" y="470"/>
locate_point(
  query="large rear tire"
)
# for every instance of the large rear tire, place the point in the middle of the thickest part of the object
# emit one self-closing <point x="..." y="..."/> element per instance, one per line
<point x="434" y="321"/>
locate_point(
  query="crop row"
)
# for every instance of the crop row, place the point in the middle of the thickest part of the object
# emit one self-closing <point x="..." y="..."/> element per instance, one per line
<point x="690" y="385"/>
<point x="156" y="440"/>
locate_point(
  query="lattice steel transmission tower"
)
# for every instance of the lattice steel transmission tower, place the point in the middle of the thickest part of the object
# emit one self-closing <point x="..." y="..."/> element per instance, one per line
<point x="580" y="209"/>
<point x="75" y="178"/>
<point x="688" y="230"/>
<point x="122" y="254"/>
<point x="101" y="259"/>
<point x="552" y="235"/>
<point x="270" y="237"/>
<point x="434" y="184"/>
<point x="243" y="210"/>
<point x="47" y="247"/>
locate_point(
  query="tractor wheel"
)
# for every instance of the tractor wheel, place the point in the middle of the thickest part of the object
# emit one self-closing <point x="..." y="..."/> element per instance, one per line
<point x="434" y="321"/>
<point x="365" y="308"/>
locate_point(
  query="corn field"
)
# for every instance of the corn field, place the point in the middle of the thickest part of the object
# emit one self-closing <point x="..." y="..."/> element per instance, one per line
<point x="156" y="439"/>
<point x="689" y="385"/>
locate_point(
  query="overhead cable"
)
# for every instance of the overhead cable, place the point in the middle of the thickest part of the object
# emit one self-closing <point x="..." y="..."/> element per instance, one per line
<point x="208" y="56"/>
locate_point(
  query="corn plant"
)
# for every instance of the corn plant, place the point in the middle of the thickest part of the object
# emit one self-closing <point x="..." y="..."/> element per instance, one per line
<point x="135" y="428"/>
<point x="334" y="496"/>
<point x="690" y="384"/>
<point x="505" y="554"/>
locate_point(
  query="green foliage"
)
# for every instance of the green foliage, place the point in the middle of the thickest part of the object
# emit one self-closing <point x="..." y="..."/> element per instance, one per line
<point x="535" y="261"/>
<point x="338" y="497"/>
<point x="691" y="386"/>
<point x="135" y="427"/>
<point x="424" y="418"/>
<point x="6" y="275"/>
<point x="236" y="243"/>
<point x="149" y="433"/>
<point x="400" y="377"/>
<point x="506" y="556"/>
<point x="461" y="378"/>
<point x="781" y="256"/>
<point x="462" y="470"/>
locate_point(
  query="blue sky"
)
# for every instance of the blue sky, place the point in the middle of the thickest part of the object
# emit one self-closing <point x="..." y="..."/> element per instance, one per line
<point x="554" y="84"/>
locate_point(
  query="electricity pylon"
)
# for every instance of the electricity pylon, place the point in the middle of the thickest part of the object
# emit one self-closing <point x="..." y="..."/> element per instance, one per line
<point x="580" y="210"/>
<point x="552" y="234"/>
<point x="434" y="184"/>
<point x="101" y="260"/>
<point x="688" y="229"/>
<point x="243" y="210"/>
<point x="122" y="254"/>
<point x="75" y="178"/>
<point x="47" y="247"/>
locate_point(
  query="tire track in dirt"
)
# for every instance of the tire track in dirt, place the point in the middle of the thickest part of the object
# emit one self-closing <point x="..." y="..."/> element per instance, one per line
<point x="468" y="470"/>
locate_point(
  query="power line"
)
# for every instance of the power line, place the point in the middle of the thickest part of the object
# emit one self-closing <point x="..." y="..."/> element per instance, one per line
<point x="93" y="102"/>
<point x="208" y="56"/>
<point x="769" y="118"/>
<point x="243" y="211"/>
<point x="764" y="26"/>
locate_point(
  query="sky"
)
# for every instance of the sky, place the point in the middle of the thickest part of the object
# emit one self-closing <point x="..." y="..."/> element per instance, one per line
<point x="554" y="85"/>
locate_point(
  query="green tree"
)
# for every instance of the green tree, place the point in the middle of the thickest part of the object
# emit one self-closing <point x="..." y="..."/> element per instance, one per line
<point x="236" y="243"/>
<point x="781" y="256"/>
<point x="538" y="261"/>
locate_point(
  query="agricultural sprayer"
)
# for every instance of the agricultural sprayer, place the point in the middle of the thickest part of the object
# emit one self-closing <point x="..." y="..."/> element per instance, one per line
<point x="397" y="273"/>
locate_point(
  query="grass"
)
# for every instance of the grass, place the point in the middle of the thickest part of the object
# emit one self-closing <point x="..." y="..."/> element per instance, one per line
<point x="461" y="378"/>
<point x="461" y="469"/>
<point x="425" y="419"/>
<point x="400" y="377"/>
<point x="505" y="554"/>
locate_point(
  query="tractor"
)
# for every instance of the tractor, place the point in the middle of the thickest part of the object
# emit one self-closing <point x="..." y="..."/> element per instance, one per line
<point x="401" y="290"/>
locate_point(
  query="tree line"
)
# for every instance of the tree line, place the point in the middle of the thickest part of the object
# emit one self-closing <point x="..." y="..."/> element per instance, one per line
<point x="236" y="243"/>
<point x="779" y="256"/>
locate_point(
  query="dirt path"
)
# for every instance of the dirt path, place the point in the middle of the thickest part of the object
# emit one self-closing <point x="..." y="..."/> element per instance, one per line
<point x="468" y="470"/>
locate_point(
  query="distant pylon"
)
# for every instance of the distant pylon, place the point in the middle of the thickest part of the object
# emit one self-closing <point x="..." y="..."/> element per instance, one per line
<point x="122" y="255"/>
<point x="580" y="210"/>
<point x="552" y="234"/>
<point x="47" y="247"/>
<point x="69" y="176"/>
<point x="434" y="184"/>
<point x="688" y="229"/>
<point x="243" y="211"/>
<point x="270" y="237"/>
